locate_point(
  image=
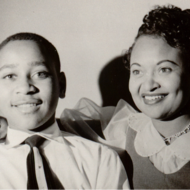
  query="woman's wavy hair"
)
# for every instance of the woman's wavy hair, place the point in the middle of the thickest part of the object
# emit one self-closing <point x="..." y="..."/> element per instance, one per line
<point x="171" y="24"/>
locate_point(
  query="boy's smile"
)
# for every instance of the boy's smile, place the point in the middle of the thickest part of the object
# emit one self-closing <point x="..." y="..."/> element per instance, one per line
<point x="29" y="85"/>
<point x="27" y="106"/>
<point x="157" y="78"/>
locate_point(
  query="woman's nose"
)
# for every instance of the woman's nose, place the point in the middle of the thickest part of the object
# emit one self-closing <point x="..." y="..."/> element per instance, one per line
<point x="150" y="83"/>
<point x="25" y="86"/>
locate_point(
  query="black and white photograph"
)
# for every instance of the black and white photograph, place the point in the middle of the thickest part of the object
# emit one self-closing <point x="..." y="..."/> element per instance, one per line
<point x="94" y="94"/>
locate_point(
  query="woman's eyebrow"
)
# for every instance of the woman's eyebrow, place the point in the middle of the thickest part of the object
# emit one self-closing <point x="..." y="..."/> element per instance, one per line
<point x="137" y="64"/>
<point x="160" y="62"/>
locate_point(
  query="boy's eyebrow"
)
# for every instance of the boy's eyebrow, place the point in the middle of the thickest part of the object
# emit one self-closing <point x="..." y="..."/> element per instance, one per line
<point x="37" y="63"/>
<point x="135" y="64"/>
<point x="13" y="65"/>
<point x="160" y="62"/>
<point x="8" y="66"/>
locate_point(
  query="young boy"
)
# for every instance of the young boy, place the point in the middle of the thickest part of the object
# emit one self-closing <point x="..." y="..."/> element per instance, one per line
<point x="30" y="85"/>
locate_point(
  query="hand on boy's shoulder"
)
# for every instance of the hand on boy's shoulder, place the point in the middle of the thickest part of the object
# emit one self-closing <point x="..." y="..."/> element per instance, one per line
<point x="3" y="128"/>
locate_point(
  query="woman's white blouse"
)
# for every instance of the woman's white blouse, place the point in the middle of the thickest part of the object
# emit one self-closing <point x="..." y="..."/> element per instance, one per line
<point x="115" y="122"/>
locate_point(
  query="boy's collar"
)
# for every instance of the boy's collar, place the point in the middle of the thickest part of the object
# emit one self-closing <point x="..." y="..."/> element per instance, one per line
<point x="16" y="137"/>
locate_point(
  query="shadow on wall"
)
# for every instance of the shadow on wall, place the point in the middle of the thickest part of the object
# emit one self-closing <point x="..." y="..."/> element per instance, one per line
<point x="113" y="83"/>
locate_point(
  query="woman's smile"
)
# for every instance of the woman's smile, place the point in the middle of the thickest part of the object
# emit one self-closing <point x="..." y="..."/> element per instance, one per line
<point x="153" y="99"/>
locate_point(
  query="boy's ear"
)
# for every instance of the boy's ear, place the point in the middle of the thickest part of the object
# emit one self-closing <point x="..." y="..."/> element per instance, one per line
<point x="62" y="85"/>
<point x="3" y="128"/>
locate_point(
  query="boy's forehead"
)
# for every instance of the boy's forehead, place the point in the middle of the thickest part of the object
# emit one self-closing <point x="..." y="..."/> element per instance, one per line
<point x="17" y="46"/>
<point x="22" y="51"/>
<point x="26" y="51"/>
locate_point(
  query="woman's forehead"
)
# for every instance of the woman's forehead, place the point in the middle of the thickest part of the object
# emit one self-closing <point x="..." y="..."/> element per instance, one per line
<point x="154" y="50"/>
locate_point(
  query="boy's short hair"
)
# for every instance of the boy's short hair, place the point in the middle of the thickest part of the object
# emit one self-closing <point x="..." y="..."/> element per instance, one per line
<point x="171" y="24"/>
<point x="47" y="48"/>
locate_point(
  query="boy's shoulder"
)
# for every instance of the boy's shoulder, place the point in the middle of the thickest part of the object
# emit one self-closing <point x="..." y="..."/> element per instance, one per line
<point x="78" y="143"/>
<point x="81" y="142"/>
<point x="90" y="153"/>
<point x="98" y="159"/>
<point x="85" y="146"/>
<point x="72" y="135"/>
<point x="69" y="134"/>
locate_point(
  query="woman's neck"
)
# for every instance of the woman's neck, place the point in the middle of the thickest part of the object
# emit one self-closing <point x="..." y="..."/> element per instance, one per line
<point x="169" y="128"/>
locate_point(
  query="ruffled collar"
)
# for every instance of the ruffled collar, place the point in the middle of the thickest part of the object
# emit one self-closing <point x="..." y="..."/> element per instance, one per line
<point x="149" y="143"/>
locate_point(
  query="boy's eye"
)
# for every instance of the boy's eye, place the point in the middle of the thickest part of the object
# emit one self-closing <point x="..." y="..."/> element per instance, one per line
<point x="41" y="75"/>
<point x="165" y="70"/>
<point x="10" y="76"/>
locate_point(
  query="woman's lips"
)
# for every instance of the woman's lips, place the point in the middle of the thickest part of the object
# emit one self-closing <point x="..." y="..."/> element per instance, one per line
<point x="153" y="99"/>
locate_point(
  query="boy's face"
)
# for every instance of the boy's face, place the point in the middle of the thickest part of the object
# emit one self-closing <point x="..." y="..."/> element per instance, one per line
<point x="157" y="78"/>
<point x="29" y="86"/>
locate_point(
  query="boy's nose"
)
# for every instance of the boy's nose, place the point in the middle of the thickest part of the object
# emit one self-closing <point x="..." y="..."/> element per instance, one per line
<point x="150" y="83"/>
<point x="26" y="87"/>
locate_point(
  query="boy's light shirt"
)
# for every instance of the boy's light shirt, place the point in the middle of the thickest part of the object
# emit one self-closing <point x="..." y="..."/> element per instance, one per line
<point x="78" y="163"/>
<point x="15" y="137"/>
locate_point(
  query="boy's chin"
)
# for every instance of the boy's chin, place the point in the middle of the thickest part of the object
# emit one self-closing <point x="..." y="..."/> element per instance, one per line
<point x="32" y="123"/>
<point x="27" y="125"/>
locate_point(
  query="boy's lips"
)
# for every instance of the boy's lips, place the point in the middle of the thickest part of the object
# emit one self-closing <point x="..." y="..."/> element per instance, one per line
<point x="151" y="99"/>
<point x="27" y="107"/>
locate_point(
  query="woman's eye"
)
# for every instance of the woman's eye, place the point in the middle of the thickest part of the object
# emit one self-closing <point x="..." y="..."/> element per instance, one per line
<point x="136" y="72"/>
<point x="165" y="70"/>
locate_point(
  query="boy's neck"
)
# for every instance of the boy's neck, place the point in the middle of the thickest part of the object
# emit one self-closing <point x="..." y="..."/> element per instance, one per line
<point x="171" y="127"/>
<point x="45" y="125"/>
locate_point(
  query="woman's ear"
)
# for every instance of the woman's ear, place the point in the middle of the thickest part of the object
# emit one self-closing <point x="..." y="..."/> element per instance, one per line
<point x="62" y="85"/>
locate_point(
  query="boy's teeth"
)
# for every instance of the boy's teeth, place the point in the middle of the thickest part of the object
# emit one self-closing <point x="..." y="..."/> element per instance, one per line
<point x="27" y="105"/>
<point x="153" y="97"/>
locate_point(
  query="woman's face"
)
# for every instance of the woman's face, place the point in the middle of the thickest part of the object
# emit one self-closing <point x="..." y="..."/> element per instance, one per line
<point x="157" y="77"/>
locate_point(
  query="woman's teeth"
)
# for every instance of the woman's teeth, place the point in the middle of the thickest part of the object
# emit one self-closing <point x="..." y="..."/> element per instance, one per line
<point x="154" y="97"/>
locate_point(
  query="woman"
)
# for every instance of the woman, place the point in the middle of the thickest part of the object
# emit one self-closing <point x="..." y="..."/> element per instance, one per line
<point x="153" y="143"/>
